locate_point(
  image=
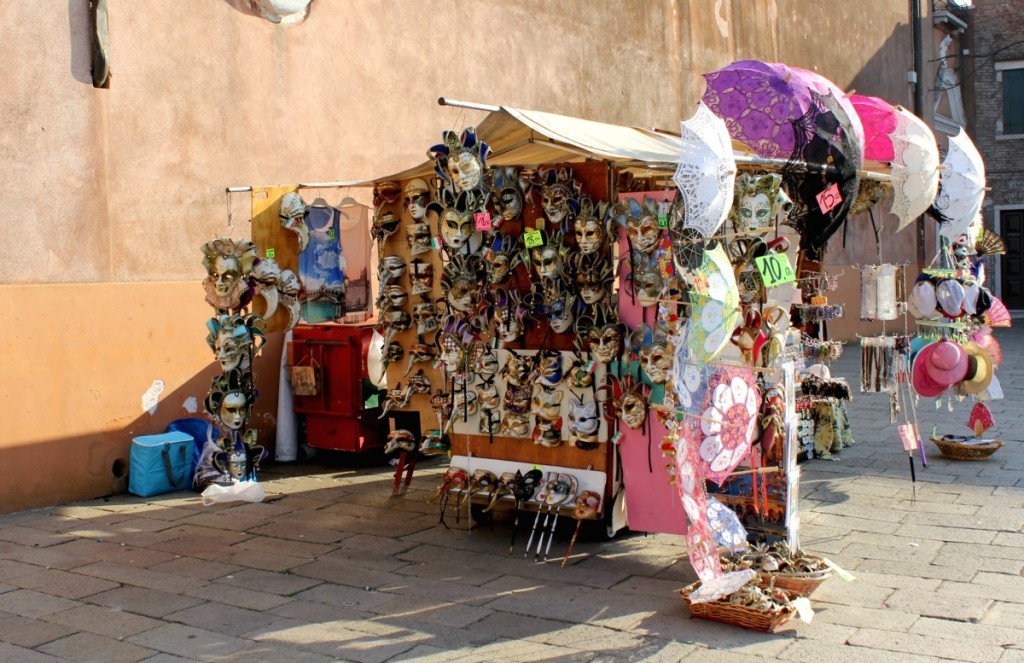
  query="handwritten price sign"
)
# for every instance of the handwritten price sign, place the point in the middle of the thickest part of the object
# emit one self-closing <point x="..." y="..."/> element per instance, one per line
<point x="533" y="238"/>
<point x="483" y="221"/>
<point x="829" y="198"/>
<point x="775" y="269"/>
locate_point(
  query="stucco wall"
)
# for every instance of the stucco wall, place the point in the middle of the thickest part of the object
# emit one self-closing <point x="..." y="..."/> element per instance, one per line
<point x="118" y="188"/>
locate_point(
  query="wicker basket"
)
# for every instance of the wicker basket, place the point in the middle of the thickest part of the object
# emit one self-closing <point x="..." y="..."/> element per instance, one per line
<point x="796" y="584"/>
<point x="959" y="451"/>
<point x="738" y="615"/>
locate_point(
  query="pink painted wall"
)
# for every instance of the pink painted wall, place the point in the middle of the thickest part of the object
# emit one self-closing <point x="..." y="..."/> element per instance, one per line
<point x="109" y="193"/>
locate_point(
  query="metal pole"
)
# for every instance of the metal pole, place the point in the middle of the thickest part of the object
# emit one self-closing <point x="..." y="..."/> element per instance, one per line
<point x="443" y="101"/>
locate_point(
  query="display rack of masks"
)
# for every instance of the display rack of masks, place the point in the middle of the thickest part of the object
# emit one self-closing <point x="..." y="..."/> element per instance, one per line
<point x="236" y="277"/>
<point x="496" y="303"/>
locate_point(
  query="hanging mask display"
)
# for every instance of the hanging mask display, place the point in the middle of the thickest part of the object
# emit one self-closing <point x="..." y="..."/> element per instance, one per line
<point x="517" y="399"/>
<point x="390" y="269"/>
<point x="641" y="223"/>
<point x="385" y="223"/>
<point x="759" y="198"/>
<point x="462" y="283"/>
<point x="400" y="440"/>
<point x="419" y="383"/>
<point x="416" y="197"/>
<point x="229" y="266"/>
<point x="487" y="395"/>
<point x="580" y="374"/>
<point x="489" y="422"/>
<point x="393" y="353"/>
<point x="590" y="228"/>
<point x="395" y="399"/>
<point x="441" y="404"/>
<point x="559" y="195"/>
<point x="466" y="404"/>
<point x="584" y="423"/>
<point x="386" y="193"/>
<point x="742" y="253"/>
<point x="501" y="258"/>
<point x="604" y="335"/>
<point x="418" y="236"/>
<point x="293" y="212"/>
<point x="511" y="194"/>
<point x="461" y="160"/>
<point x="454" y="219"/>
<point x="483" y="360"/>
<point x="515" y="425"/>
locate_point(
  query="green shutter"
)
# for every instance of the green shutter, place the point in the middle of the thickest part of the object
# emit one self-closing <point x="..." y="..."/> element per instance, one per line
<point x="1013" y="101"/>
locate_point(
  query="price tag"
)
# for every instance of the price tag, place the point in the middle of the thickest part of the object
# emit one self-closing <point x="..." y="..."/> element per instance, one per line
<point x="829" y="198"/>
<point x="537" y="467"/>
<point x="908" y="436"/>
<point x="435" y="243"/>
<point x="372" y="401"/>
<point x="270" y="253"/>
<point x="775" y="269"/>
<point x="330" y="233"/>
<point x="663" y="221"/>
<point x="483" y="221"/>
<point x="616" y="437"/>
<point x="533" y="238"/>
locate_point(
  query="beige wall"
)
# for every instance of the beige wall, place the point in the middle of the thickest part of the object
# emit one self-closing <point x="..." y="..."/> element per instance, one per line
<point x="109" y="193"/>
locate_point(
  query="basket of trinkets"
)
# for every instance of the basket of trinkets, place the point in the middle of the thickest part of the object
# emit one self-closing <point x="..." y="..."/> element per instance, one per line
<point x="751" y="607"/>
<point x="959" y="447"/>
<point x="778" y="566"/>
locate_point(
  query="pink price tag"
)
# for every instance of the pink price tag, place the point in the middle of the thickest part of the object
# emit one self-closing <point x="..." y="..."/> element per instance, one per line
<point x="829" y="198"/>
<point x="483" y="220"/>
<point x="908" y="436"/>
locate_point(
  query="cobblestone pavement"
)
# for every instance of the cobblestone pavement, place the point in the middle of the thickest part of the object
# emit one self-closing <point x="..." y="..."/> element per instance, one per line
<point x="331" y="567"/>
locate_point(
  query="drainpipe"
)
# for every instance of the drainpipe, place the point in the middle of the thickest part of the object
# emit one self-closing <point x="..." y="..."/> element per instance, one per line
<point x="915" y="22"/>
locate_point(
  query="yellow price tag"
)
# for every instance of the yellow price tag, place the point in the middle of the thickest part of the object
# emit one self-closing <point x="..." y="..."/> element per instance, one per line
<point x="533" y="238"/>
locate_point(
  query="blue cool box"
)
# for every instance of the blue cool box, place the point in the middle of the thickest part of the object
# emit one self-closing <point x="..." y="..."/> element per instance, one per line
<point x="160" y="463"/>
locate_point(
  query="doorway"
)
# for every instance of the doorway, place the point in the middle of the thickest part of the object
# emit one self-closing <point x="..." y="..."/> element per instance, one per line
<point x="1011" y="266"/>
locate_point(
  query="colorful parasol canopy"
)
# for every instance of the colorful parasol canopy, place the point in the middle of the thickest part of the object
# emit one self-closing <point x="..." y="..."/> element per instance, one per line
<point x="728" y="423"/>
<point x="963" y="186"/>
<point x="715" y="310"/>
<point x="706" y="172"/>
<point x="895" y="135"/>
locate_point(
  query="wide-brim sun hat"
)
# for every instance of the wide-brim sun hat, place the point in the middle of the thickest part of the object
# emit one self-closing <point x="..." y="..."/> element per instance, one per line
<point x="979" y="369"/>
<point x="937" y="366"/>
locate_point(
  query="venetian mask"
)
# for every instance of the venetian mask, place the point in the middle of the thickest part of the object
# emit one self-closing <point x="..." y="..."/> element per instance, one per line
<point x="517" y="399"/>
<point x="422" y="277"/>
<point x="456" y="228"/>
<point x="547" y="404"/>
<point x="580" y="375"/>
<point x="490" y="422"/>
<point x="561" y="313"/>
<point x="420" y="353"/>
<point x="293" y="212"/>
<point x="509" y="314"/>
<point x="549" y="368"/>
<point x="589" y="227"/>
<point x="229" y="265"/>
<point x="485" y="362"/>
<point x="232" y="337"/>
<point x="390" y="269"/>
<point x="509" y="203"/>
<point x="392" y="296"/>
<point x="487" y="394"/>
<point x="466" y="404"/>
<point x="547" y="261"/>
<point x="641" y="223"/>
<point x="583" y="417"/>
<point x="231" y="349"/>
<point x="593" y="279"/>
<point x="419" y="383"/>
<point x="393" y="352"/>
<point x="396" y="320"/>
<point x="418" y="236"/>
<point x="234" y="410"/>
<point x="515" y="425"/>
<point x="453" y="352"/>
<point x="425" y="316"/>
<point x="554" y="200"/>
<point x="417" y="195"/>
<point x="517" y="369"/>
<point x="461" y="283"/>
<point x="657" y="361"/>
<point x="385" y="223"/>
<point x="386" y="193"/>
<point x="759" y="197"/>
<point x="501" y="258"/>
<point x="606" y="341"/>
<point x="400" y="440"/>
<point x="230" y="398"/>
<point x="646" y="279"/>
<point x="632" y="407"/>
<point x="461" y="159"/>
<point x="548" y="433"/>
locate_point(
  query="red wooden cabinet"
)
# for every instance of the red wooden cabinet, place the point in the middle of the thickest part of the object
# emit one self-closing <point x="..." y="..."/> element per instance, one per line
<point x="334" y="413"/>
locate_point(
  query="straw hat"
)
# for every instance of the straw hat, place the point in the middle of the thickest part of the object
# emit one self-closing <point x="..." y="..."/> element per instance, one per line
<point x="979" y="369"/>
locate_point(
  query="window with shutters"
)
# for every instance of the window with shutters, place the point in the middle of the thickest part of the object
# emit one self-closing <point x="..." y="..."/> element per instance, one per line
<point x="1011" y="75"/>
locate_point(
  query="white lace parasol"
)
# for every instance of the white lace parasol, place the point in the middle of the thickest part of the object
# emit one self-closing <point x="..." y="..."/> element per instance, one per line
<point x="706" y="172"/>
<point x="915" y="168"/>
